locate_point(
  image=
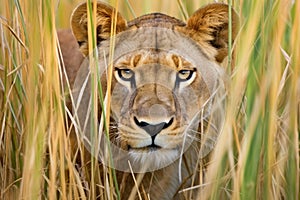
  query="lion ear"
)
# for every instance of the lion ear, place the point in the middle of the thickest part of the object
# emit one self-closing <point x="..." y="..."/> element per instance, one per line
<point x="104" y="17"/>
<point x="210" y="25"/>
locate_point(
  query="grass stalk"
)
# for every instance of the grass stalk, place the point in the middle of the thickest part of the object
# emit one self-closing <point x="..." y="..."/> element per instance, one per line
<point x="229" y="32"/>
<point x="93" y="55"/>
<point x="292" y="168"/>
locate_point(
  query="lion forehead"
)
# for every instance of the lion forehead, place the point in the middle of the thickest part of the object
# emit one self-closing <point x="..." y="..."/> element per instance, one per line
<point x="144" y="57"/>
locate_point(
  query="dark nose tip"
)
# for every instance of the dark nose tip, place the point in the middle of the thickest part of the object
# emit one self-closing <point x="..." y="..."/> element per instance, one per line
<point x="153" y="129"/>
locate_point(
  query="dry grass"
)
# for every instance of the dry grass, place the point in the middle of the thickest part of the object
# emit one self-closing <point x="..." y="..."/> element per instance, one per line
<point x="258" y="151"/>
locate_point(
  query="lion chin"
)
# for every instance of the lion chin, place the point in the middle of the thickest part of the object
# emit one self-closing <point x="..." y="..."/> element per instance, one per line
<point x="155" y="157"/>
<point x="167" y="94"/>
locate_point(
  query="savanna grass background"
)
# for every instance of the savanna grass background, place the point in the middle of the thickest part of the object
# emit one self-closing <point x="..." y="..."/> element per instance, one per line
<point x="257" y="156"/>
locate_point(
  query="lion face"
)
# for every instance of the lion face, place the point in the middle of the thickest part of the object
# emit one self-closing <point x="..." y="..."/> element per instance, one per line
<point x="156" y="97"/>
<point x="160" y="96"/>
<point x="167" y="84"/>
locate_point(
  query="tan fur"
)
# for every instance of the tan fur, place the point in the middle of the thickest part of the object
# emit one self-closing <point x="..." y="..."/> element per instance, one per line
<point x="155" y="74"/>
<point x="209" y="26"/>
<point x="72" y="56"/>
<point x="105" y="15"/>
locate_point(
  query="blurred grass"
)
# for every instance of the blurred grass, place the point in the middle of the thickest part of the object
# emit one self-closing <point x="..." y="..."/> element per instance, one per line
<point x="258" y="152"/>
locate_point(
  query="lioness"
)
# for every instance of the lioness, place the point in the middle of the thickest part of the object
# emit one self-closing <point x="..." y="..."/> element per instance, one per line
<point x="167" y="93"/>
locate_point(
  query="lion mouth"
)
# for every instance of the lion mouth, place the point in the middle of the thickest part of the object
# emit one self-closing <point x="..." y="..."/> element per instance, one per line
<point x="149" y="148"/>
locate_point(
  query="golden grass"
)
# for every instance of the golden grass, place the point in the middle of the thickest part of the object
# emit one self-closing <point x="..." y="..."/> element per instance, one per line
<point x="258" y="151"/>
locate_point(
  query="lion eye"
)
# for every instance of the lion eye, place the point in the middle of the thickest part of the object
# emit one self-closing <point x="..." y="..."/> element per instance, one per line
<point x="185" y="75"/>
<point x="125" y="74"/>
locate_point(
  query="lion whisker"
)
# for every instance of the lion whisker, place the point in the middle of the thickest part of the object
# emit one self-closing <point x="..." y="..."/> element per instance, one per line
<point x="126" y="128"/>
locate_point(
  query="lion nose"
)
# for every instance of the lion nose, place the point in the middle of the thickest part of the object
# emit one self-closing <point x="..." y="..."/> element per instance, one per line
<point x="151" y="128"/>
